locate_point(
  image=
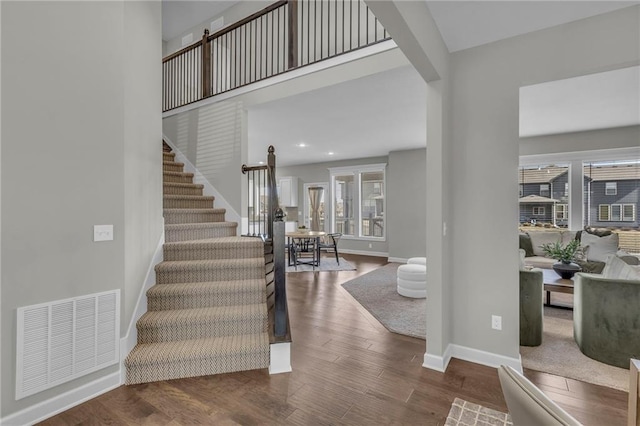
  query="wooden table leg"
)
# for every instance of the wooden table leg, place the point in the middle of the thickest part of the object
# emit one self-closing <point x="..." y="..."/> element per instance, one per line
<point x="634" y="395"/>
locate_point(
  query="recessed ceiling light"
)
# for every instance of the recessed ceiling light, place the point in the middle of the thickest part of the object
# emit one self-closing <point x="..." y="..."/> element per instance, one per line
<point x="330" y="153"/>
<point x="301" y="145"/>
<point x="260" y="162"/>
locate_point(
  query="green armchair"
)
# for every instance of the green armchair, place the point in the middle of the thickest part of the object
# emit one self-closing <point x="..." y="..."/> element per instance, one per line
<point x="606" y="320"/>
<point x="531" y="309"/>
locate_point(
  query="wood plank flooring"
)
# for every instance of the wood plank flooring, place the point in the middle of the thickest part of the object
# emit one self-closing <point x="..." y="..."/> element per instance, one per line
<point x="347" y="369"/>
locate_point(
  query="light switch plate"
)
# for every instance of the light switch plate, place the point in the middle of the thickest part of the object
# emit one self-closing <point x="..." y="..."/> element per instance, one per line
<point x="103" y="233"/>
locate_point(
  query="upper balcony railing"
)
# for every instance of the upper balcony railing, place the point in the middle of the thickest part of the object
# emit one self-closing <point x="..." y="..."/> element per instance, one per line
<point x="285" y="35"/>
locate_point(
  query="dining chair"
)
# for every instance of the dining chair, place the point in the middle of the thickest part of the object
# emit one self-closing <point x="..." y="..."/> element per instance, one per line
<point x="331" y="243"/>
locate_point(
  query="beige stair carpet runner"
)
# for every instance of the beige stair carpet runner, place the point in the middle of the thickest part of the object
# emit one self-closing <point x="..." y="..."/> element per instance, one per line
<point x="207" y="313"/>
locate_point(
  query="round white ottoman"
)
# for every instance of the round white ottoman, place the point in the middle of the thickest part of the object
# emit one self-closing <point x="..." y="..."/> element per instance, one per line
<point x="412" y="281"/>
<point x="417" y="261"/>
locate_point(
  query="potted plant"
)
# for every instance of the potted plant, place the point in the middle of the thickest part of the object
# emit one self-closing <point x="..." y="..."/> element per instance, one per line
<point x="565" y="255"/>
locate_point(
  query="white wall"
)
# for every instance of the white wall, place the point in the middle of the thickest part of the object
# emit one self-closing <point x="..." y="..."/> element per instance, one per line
<point x="406" y="203"/>
<point x="71" y="160"/>
<point x="485" y="84"/>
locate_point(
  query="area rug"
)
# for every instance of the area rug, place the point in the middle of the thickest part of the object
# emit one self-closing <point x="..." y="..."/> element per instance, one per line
<point x="465" y="413"/>
<point x="326" y="264"/>
<point x="376" y="292"/>
<point x="559" y="354"/>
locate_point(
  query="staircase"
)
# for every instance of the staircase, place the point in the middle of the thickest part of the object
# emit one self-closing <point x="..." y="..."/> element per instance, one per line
<point x="207" y="313"/>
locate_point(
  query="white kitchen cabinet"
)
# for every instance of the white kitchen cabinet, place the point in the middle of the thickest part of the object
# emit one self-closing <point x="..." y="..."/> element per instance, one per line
<point x="288" y="191"/>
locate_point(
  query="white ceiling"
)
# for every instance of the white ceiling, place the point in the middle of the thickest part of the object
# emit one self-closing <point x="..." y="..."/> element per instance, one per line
<point x="377" y="114"/>
<point x="366" y="117"/>
<point x="180" y="15"/>
<point x="465" y="24"/>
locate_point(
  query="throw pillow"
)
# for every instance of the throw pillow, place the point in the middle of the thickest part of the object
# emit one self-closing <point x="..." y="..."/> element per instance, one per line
<point x="600" y="232"/>
<point x="617" y="269"/>
<point x="538" y="238"/>
<point x="525" y="244"/>
<point x="599" y="248"/>
<point x="522" y="256"/>
<point x="567" y="237"/>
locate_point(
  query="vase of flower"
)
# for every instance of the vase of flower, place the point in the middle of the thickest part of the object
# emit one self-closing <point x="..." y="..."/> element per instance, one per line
<point x="565" y="256"/>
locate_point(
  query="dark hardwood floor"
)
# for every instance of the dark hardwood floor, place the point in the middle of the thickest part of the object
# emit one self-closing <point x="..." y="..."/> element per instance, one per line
<point x="347" y="369"/>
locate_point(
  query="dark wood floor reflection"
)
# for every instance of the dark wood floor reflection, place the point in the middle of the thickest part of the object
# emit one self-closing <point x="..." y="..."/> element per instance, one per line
<point x="347" y="369"/>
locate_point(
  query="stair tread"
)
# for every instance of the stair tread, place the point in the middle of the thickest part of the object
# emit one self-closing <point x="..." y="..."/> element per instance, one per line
<point x="191" y="210"/>
<point x="170" y="173"/>
<point x="189" y="197"/>
<point x="192" y="316"/>
<point x="196" y="349"/>
<point x="175" y="265"/>
<point x="226" y="242"/>
<point x="208" y="287"/>
<point x="184" y="185"/>
<point x="172" y="163"/>
<point x="197" y="225"/>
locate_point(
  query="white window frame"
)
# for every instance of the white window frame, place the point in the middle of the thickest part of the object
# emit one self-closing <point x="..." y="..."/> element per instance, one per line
<point x="539" y="209"/>
<point x="564" y="209"/>
<point x="631" y="218"/>
<point x="357" y="171"/>
<point x="613" y="186"/>
<point x="566" y="189"/>
<point x="613" y="215"/>
<point x="608" y="210"/>
<point x="547" y="190"/>
<point x="307" y="203"/>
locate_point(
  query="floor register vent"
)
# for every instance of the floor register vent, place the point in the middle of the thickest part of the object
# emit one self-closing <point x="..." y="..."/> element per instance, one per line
<point x="66" y="339"/>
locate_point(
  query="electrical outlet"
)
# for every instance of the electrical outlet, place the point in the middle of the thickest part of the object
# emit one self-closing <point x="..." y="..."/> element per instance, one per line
<point x="102" y="232"/>
<point x="496" y="322"/>
<point x="370" y="245"/>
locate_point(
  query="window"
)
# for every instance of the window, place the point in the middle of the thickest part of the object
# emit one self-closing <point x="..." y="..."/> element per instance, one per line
<point x="611" y="188"/>
<point x="544" y="190"/>
<point x="358" y="201"/>
<point x="538" y="211"/>
<point x="616" y="212"/>
<point x="604" y="212"/>
<point x="521" y="191"/>
<point x="629" y="212"/>
<point x="372" y="204"/>
<point x="562" y="211"/>
<point x="322" y="206"/>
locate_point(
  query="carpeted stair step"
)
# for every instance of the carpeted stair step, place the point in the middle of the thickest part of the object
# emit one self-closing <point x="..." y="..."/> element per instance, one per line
<point x="168" y="156"/>
<point x="172" y="166"/>
<point x="201" y="295"/>
<point x="214" y="248"/>
<point x="177" y="177"/>
<point x="165" y="147"/>
<point x="200" y="323"/>
<point x="174" y="188"/>
<point x="199" y="231"/>
<point x="175" y="216"/>
<point x="201" y="357"/>
<point x="195" y="271"/>
<point x="188" y="202"/>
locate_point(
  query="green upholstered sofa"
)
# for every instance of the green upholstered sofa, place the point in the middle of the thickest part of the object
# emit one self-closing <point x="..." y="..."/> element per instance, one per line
<point x="531" y="310"/>
<point x="606" y="318"/>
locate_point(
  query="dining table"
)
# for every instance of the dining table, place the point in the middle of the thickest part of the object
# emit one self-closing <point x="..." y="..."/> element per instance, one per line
<point x="304" y="241"/>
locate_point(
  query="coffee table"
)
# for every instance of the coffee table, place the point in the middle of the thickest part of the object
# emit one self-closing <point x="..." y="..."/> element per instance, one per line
<point x="553" y="282"/>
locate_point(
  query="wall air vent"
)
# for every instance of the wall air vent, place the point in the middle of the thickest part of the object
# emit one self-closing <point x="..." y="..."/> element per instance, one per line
<point x="66" y="339"/>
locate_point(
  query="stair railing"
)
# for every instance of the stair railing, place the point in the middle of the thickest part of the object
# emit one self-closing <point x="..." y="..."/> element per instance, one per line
<point x="265" y="220"/>
<point x="283" y="36"/>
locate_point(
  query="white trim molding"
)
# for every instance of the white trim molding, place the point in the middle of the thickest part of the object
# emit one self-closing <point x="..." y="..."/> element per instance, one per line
<point x="129" y="341"/>
<point x="209" y="190"/>
<point x="440" y="363"/>
<point x="59" y="403"/>
<point x="280" y="359"/>
<point x="398" y="259"/>
<point x="365" y="253"/>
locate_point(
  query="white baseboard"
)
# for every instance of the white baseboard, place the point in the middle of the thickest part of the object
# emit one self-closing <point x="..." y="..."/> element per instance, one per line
<point x="128" y="342"/>
<point x="364" y="252"/>
<point x="280" y="361"/>
<point x="59" y="403"/>
<point x="437" y="362"/>
<point x="398" y="259"/>
<point x="209" y="190"/>
<point x="440" y="363"/>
